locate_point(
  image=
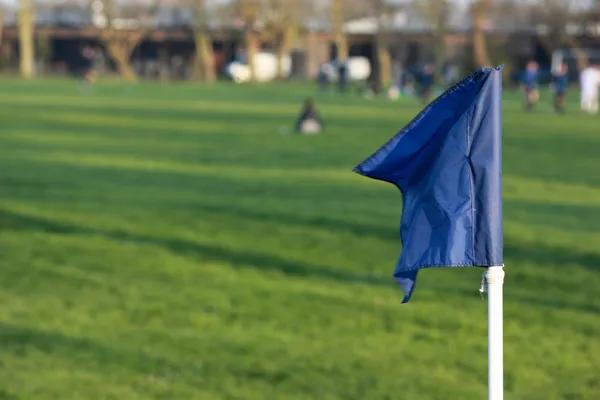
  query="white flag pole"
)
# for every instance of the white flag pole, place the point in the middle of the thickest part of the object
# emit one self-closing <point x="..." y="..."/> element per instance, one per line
<point x="493" y="284"/>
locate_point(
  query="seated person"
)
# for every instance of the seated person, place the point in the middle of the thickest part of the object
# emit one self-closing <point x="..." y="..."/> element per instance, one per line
<point x="309" y="121"/>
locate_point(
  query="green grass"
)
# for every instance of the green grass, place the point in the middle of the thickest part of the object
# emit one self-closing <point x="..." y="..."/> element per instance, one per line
<point x="166" y="242"/>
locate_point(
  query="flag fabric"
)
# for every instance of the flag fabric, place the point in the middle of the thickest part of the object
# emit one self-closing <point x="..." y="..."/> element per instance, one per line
<point x="447" y="162"/>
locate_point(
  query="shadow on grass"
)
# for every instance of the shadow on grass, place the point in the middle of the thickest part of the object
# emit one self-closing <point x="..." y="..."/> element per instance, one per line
<point x="527" y="154"/>
<point x="516" y="252"/>
<point x="570" y="217"/>
<point x="20" y="341"/>
<point x="516" y="298"/>
<point x="7" y="396"/>
<point x="15" y="221"/>
<point x="215" y="112"/>
<point x="88" y="354"/>
<point x="554" y="304"/>
<point x="389" y="232"/>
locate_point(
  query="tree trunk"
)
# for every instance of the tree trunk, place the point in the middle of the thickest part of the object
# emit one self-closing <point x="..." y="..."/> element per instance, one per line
<point x="1" y="24"/>
<point x="251" y="10"/>
<point x="204" y="64"/>
<point x="121" y="53"/>
<point x="290" y="33"/>
<point x="252" y="47"/>
<point x="26" y="27"/>
<point x="557" y="40"/>
<point x="580" y="56"/>
<point x="284" y="47"/>
<point x="163" y="61"/>
<point x="478" y="16"/>
<point x="341" y="42"/>
<point x="281" y="52"/>
<point x="120" y="45"/>
<point x="204" y="68"/>
<point x="440" y="40"/>
<point x="385" y="72"/>
<point x="384" y="59"/>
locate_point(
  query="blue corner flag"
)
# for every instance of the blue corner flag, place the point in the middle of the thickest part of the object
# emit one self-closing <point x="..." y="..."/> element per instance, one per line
<point x="447" y="163"/>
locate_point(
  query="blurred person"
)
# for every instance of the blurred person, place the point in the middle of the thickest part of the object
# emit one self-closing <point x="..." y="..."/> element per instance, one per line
<point x="309" y="121"/>
<point x="393" y="93"/>
<point x="342" y="76"/>
<point x="323" y="77"/>
<point x="367" y="90"/>
<point x="88" y="55"/>
<point x="451" y="74"/>
<point x="560" y="83"/>
<point x="530" y="85"/>
<point x="408" y="85"/>
<point x="371" y="89"/>
<point x="590" y="79"/>
<point x="427" y="81"/>
<point x="397" y="74"/>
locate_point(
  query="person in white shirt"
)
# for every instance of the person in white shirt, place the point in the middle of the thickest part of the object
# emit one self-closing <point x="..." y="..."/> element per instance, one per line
<point x="590" y="81"/>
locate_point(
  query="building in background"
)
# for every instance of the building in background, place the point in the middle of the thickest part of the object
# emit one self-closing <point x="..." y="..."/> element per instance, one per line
<point x="166" y="47"/>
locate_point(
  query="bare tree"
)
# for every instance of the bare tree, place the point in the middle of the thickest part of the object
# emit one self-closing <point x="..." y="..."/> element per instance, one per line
<point x="250" y="11"/>
<point x="437" y="13"/>
<point x="480" y="12"/>
<point x="1" y="23"/>
<point x="204" y="62"/>
<point x="282" y="23"/>
<point x="26" y="31"/>
<point x="125" y="26"/>
<point x="382" y="13"/>
<point x="337" y="20"/>
<point x="555" y="17"/>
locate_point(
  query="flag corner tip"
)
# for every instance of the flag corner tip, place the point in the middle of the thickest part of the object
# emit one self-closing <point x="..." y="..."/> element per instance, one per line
<point x="358" y="170"/>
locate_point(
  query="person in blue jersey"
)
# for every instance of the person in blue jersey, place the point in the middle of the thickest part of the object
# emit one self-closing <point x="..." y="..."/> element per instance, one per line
<point x="427" y="81"/>
<point x="530" y="84"/>
<point x="560" y="83"/>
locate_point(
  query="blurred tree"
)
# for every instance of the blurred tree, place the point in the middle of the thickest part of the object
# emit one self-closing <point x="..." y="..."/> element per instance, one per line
<point x="383" y="14"/>
<point x="204" y="60"/>
<point x="120" y="45"/>
<point x="588" y="19"/>
<point x="5" y="51"/>
<point x="250" y="11"/>
<point x="282" y="23"/>
<point x="26" y="40"/>
<point x="1" y="23"/>
<point x="337" y="21"/>
<point x="125" y="27"/>
<point x="558" y="22"/>
<point x="43" y="51"/>
<point x="480" y="12"/>
<point x="437" y="13"/>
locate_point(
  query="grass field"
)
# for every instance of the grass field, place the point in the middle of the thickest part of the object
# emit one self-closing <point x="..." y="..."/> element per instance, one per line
<point x="166" y="242"/>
